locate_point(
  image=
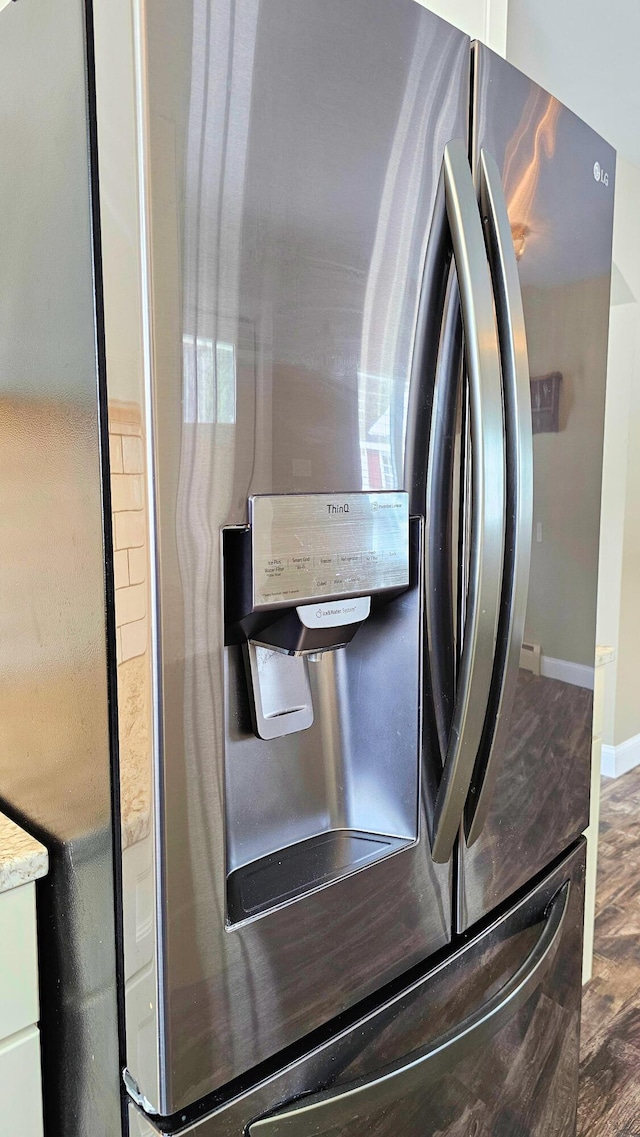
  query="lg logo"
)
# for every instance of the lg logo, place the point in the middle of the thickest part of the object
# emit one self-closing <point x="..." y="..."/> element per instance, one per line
<point x="600" y="175"/>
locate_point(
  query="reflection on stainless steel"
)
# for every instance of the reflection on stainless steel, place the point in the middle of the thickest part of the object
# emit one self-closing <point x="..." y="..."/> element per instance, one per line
<point x="131" y="519"/>
<point x="330" y="1109"/>
<point x="130" y="522"/>
<point x="533" y="141"/>
<point x="519" y="234"/>
<point x="389" y="308"/>
<point x="545" y="402"/>
<point x="210" y="380"/>
<point x="537" y="945"/>
<point x="289" y="205"/>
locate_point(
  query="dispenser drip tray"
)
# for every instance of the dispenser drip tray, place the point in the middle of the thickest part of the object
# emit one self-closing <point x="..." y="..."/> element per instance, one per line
<point x="296" y="869"/>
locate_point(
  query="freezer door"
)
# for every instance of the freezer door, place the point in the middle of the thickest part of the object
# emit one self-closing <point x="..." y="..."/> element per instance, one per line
<point x="546" y="179"/>
<point x="485" y="1044"/>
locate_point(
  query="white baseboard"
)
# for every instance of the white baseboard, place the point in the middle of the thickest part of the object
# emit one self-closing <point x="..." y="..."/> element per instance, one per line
<point x="578" y="674"/>
<point x="617" y="760"/>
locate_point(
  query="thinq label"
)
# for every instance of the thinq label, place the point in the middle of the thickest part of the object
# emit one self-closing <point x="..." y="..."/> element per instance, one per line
<point x="311" y="546"/>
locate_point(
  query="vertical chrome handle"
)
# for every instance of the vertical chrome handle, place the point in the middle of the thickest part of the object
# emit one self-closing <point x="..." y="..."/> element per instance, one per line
<point x="488" y="499"/>
<point x="519" y="450"/>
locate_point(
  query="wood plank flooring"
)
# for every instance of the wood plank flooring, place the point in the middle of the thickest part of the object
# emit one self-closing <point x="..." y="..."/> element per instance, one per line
<point x="609" y="1104"/>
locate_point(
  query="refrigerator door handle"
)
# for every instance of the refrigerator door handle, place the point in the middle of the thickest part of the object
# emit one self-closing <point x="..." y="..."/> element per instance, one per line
<point x="519" y="511"/>
<point x="332" y="1109"/>
<point x="487" y="499"/>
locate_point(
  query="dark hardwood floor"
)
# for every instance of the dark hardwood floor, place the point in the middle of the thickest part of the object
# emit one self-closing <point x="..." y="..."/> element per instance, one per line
<point x="610" y="1052"/>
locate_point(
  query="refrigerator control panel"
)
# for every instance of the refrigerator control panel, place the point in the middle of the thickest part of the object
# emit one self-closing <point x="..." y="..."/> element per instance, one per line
<point x="307" y="546"/>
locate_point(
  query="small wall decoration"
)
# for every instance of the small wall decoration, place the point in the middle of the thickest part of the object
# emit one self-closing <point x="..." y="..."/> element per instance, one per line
<point x="545" y="402"/>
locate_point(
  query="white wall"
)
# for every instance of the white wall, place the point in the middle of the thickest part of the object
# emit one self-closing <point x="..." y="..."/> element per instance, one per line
<point x="619" y="594"/>
<point x="586" y="53"/>
<point x="623" y="717"/>
<point x="485" y="20"/>
<point x="627" y="696"/>
<point x="614" y="490"/>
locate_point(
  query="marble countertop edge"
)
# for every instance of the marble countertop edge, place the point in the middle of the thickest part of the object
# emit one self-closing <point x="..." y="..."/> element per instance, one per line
<point x="22" y="858"/>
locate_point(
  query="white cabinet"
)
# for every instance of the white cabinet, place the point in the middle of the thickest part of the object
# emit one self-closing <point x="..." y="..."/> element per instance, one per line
<point x="22" y="861"/>
<point x="20" y="1079"/>
<point x="18" y="960"/>
<point x="20" y="1082"/>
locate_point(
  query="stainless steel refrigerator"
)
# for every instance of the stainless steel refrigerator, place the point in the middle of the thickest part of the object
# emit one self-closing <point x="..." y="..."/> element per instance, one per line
<point x="376" y="265"/>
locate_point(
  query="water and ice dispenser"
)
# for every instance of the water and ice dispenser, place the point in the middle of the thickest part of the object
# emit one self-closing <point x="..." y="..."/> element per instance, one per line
<point x="322" y="618"/>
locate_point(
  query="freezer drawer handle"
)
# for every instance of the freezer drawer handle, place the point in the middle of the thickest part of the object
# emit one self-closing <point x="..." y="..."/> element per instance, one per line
<point x="319" y="1113"/>
<point x="519" y="511"/>
<point x="487" y="499"/>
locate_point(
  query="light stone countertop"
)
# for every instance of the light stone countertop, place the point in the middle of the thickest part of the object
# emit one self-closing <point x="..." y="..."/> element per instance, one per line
<point x="134" y="713"/>
<point x="135" y="800"/>
<point x="22" y="858"/>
